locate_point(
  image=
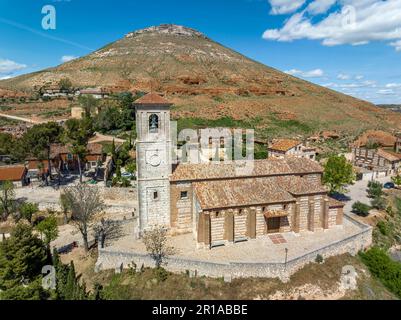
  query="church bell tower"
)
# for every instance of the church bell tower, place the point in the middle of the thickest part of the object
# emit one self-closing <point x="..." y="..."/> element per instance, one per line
<point x="153" y="156"/>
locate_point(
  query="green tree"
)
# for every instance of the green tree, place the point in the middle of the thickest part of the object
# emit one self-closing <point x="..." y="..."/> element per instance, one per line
<point x="338" y="173"/>
<point x="22" y="257"/>
<point x="7" y="198"/>
<point x="397" y="180"/>
<point x="27" y="210"/>
<point x="6" y="143"/>
<point x="72" y="289"/>
<point x="375" y="189"/>
<point x="130" y="167"/>
<point x="48" y="229"/>
<point x="108" y="119"/>
<point x="77" y="134"/>
<point x="39" y="139"/>
<point x="65" y="84"/>
<point x="89" y="104"/>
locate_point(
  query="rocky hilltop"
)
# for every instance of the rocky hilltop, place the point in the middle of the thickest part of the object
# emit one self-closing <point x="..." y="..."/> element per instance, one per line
<point x="208" y="80"/>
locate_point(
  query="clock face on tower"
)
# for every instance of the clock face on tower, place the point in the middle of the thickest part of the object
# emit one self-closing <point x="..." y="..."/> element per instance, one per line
<point x="153" y="158"/>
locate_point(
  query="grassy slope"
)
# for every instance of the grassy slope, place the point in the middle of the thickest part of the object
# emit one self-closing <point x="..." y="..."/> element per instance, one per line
<point x="325" y="277"/>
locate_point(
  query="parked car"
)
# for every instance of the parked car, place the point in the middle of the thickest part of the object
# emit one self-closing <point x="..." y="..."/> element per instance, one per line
<point x="389" y="185"/>
<point x="126" y="175"/>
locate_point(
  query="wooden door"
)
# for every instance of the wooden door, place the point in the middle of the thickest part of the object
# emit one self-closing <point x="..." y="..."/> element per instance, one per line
<point x="273" y="225"/>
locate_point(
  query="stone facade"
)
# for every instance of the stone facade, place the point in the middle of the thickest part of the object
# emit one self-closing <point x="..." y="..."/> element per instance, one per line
<point x="214" y="202"/>
<point x="153" y="162"/>
<point x="382" y="163"/>
<point x="110" y="259"/>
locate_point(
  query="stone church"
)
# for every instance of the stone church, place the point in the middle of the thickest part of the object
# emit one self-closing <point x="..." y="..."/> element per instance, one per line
<point x="212" y="201"/>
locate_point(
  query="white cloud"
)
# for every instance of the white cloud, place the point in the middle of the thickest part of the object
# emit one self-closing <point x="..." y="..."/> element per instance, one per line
<point x="393" y="85"/>
<point x="8" y="66"/>
<point x="356" y="22"/>
<point x="396" y="45"/>
<point x="67" y="58"/>
<point x="359" y="77"/>
<point x="385" y="92"/>
<point x="343" y="76"/>
<point x="5" y="77"/>
<point x="316" y="73"/>
<point x="285" y="6"/>
<point x="320" y="6"/>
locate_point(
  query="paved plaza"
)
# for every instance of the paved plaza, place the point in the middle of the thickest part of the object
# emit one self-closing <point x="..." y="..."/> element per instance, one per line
<point x="261" y="250"/>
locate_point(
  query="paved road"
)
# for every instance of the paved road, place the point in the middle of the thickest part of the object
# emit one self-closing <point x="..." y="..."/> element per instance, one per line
<point x="357" y="192"/>
<point x="7" y="116"/>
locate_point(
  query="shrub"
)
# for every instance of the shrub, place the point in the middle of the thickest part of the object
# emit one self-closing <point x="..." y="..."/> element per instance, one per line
<point x="361" y="209"/>
<point x="383" y="268"/>
<point x="161" y="274"/>
<point x="379" y="203"/>
<point x="390" y="211"/>
<point x="383" y="228"/>
<point x="319" y="259"/>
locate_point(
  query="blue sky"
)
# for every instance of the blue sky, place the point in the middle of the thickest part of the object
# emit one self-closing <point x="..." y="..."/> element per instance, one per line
<point x="353" y="46"/>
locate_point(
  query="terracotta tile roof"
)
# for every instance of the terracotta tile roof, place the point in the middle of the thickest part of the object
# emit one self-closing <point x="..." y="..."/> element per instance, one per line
<point x="12" y="173"/>
<point x="221" y="194"/>
<point x="152" y="98"/>
<point x="261" y="168"/>
<point x="284" y="144"/>
<point x="275" y="213"/>
<point x="95" y="148"/>
<point x="333" y="203"/>
<point x="389" y="155"/>
<point x="56" y="149"/>
<point x="235" y="193"/>
<point x="300" y="186"/>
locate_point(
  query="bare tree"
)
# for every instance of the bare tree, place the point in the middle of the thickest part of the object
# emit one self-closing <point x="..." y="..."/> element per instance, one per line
<point x="155" y="241"/>
<point x="106" y="231"/>
<point x="85" y="202"/>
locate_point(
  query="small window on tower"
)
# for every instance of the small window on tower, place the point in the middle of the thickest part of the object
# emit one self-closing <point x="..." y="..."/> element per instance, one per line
<point x="153" y="123"/>
<point x="155" y="195"/>
<point x="184" y="195"/>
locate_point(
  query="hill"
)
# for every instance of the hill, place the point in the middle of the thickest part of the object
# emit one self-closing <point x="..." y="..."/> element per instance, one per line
<point x="208" y="81"/>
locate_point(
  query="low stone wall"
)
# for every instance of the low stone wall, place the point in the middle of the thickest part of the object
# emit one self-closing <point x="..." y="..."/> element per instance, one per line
<point x="121" y="194"/>
<point x="111" y="259"/>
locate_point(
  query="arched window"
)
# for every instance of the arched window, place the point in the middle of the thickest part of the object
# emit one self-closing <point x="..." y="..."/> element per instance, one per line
<point x="153" y="123"/>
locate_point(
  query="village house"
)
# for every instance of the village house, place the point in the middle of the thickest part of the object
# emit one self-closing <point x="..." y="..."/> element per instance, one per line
<point x="377" y="154"/>
<point x="217" y="202"/>
<point x="97" y="93"/>
<point x="398" y="143"/>
<point x="285" y="147"/>
<point x="380" y="162"/>
<point x="62" y="160"/>
<point x="15" y="174"/>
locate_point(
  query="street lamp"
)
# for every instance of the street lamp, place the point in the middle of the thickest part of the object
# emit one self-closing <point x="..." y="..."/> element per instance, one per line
<point x="286" y="256"/>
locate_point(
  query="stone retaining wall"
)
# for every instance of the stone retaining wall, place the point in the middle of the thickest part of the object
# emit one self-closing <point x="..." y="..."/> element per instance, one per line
<point x="112" y="259"/>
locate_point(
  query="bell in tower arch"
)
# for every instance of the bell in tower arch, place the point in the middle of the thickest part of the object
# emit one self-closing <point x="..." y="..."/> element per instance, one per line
<point x="153" y="123"/>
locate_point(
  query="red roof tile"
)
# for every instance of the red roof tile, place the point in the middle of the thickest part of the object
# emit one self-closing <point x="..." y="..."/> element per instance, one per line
<point x="152" y="98"/>
<point x="14" y="173"/>
<point x="284" y="144"/>
<point x="259" y="168"/>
